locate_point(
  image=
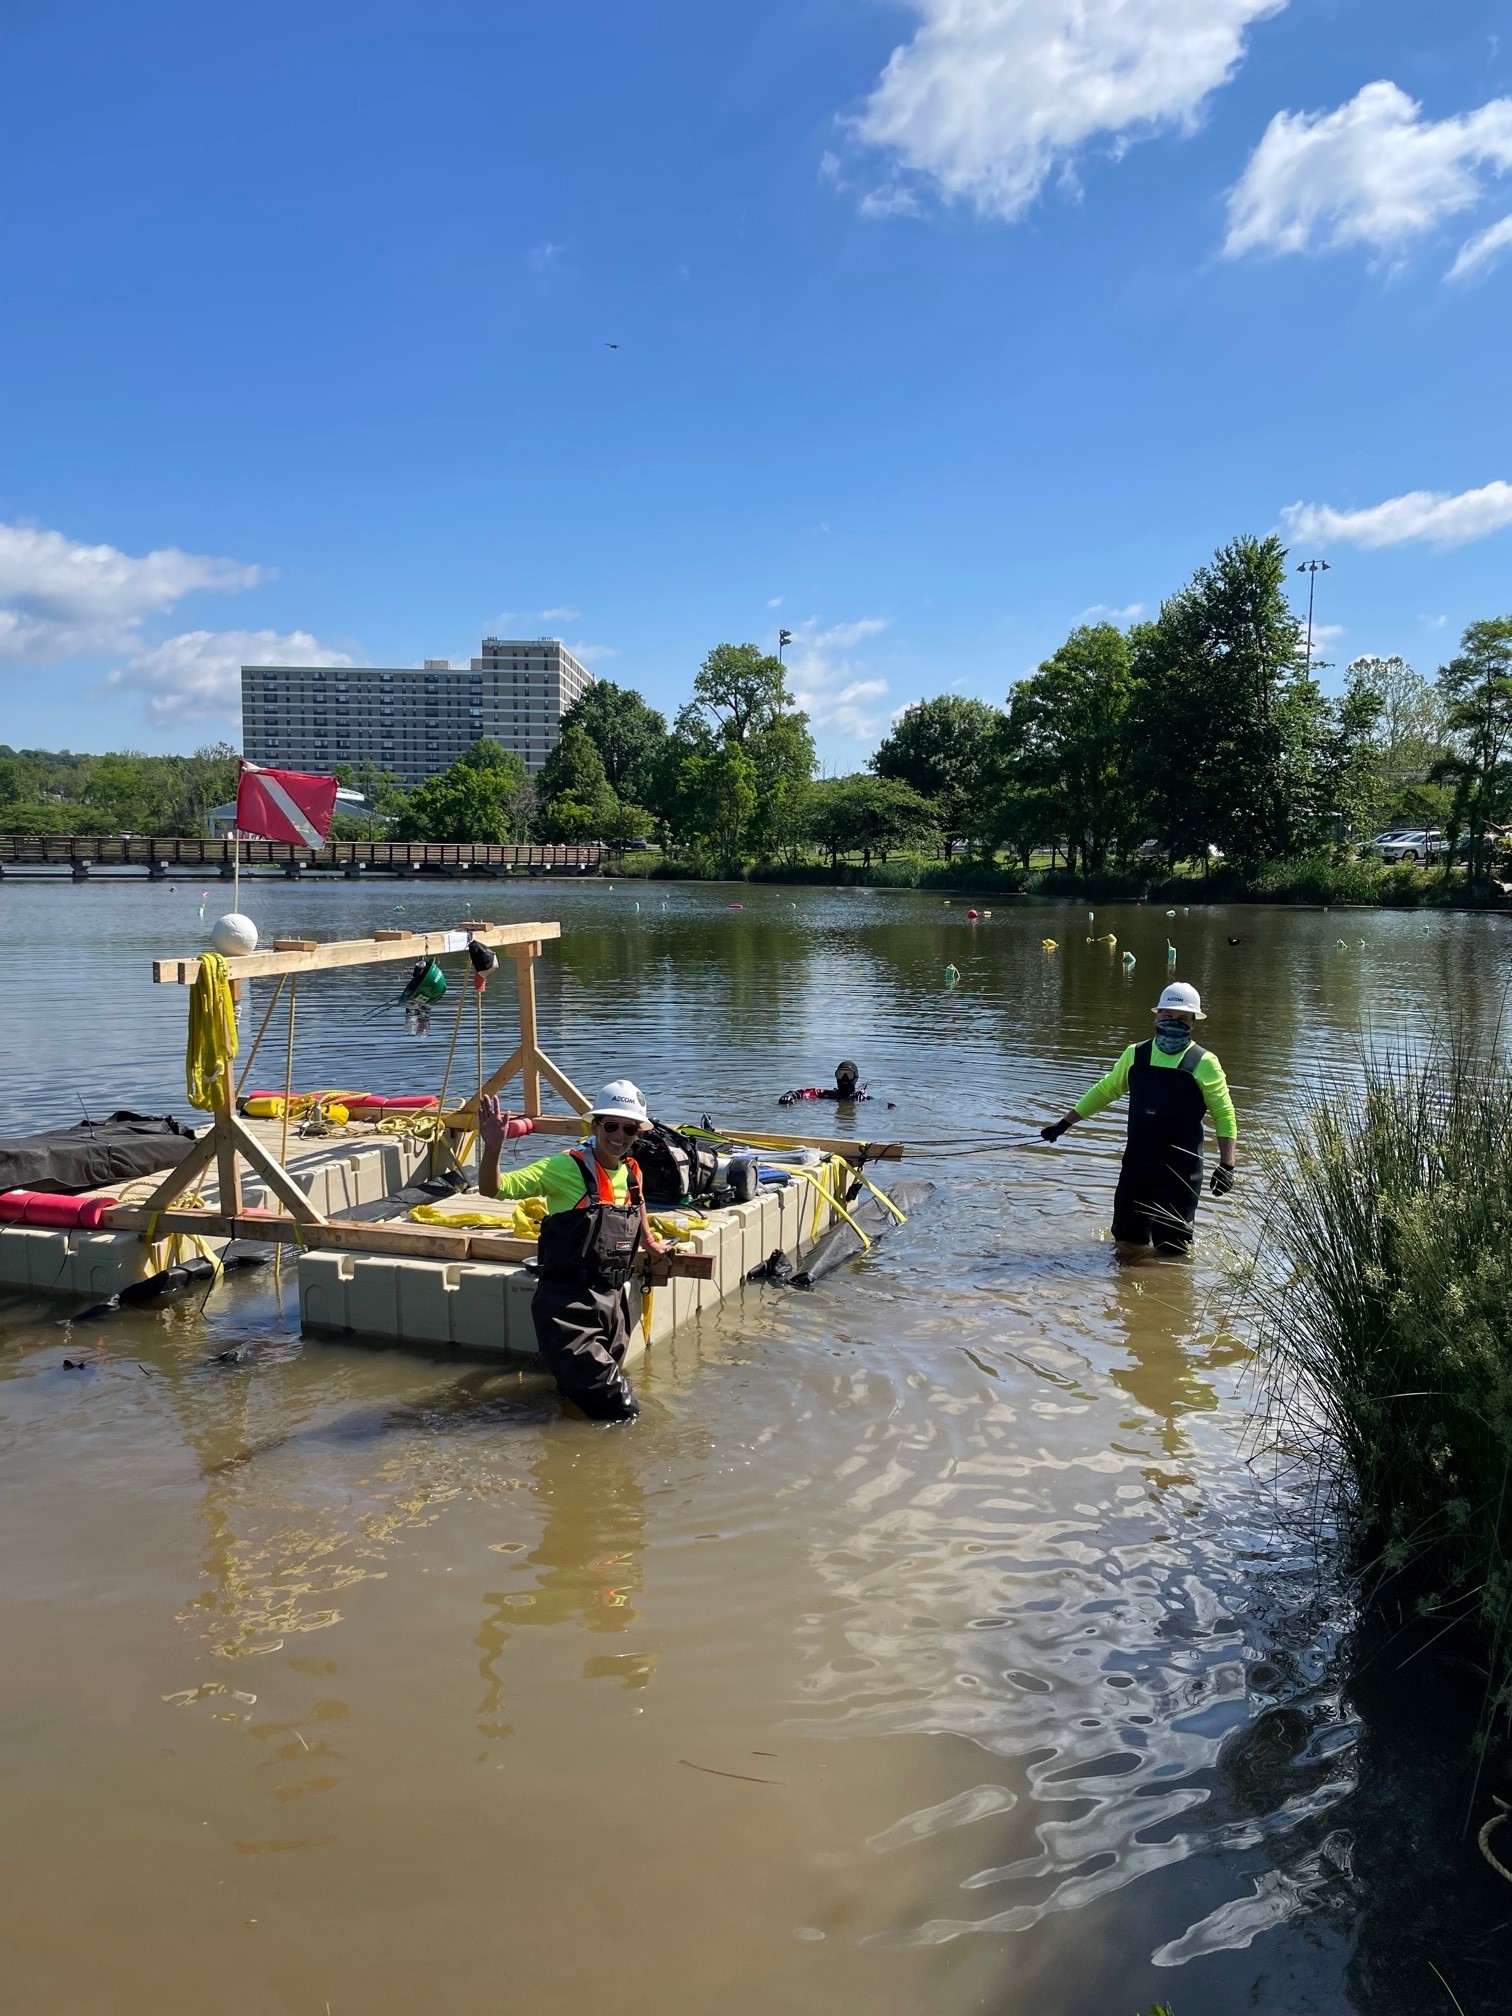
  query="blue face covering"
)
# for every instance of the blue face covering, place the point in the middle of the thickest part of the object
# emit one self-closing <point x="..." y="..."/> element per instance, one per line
<point x="1171" y="1036"/>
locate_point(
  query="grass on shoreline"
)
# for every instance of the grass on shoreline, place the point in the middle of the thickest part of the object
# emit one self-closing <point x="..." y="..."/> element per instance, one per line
<point x="1383" y="1287"/>
<point x="1314" y="879"/>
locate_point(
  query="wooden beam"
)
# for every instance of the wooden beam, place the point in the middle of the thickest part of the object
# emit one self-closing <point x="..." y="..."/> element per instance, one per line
<point x="530" y="1065"/>
<point x="463" y="1122"/>
<point x="274" y="1174"/>
<point x="396" y="1238"/>
<point x="178" y="1180"/>
<point x="343" y="952"/>
<point x="564" y="1084"/>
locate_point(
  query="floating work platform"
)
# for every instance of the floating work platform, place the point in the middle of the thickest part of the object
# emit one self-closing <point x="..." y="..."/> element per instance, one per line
<point x="485" y="1309"/>
<point x="358" y="1167"/>
<point x="432" y="1284"/>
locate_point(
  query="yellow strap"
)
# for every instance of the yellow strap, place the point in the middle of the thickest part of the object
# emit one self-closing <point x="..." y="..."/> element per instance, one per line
<point x="648" y="1297"/>
<point x="808" y="1176"/>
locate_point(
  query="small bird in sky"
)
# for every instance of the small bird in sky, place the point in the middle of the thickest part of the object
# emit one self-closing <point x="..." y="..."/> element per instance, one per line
<point x="611" y="346"/>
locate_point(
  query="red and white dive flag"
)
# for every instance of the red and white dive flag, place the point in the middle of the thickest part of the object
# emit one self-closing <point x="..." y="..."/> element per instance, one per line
<point x="285" y="805"/>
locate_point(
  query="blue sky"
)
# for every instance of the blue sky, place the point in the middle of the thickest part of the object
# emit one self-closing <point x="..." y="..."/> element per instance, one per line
<point x="940" y="324"/>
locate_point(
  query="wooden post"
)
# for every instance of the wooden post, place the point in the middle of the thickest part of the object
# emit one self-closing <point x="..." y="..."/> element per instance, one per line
<point x="225" y="1150"/>
<point x="530" y="1057"/>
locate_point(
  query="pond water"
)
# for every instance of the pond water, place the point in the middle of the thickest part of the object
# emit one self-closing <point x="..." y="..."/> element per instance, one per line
<point x="934" y="1640"/>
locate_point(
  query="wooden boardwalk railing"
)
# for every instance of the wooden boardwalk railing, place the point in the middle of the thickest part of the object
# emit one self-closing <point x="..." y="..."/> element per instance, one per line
<point x="81" y="852"/>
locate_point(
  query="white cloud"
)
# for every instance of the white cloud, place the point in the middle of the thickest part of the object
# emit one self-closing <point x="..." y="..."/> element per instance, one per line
<point x="1327" y="633"/>
<point x="592" y="654"/>
<point x="62" y="599"/>
<point x="560" y="615"/>
<point x="1477" y="253"/>
<point x="544" y="257"/>
<point x="1373" y="172"/>
<point x="834" y="692"/>
<point x="1433" y="516"/>
<point x="1101" y="612"/>
<point x="991" y="96"/>
<point x="197" y="676"/>
<point x="774" y="602"/>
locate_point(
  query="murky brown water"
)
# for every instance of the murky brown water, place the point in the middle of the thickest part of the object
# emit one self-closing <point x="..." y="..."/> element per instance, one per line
<point x="927" y="1644"/>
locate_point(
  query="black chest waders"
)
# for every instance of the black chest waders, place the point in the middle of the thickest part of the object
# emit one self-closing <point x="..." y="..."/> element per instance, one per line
<point x="581" y="1308"/>
<point x="1161" y="1179"/>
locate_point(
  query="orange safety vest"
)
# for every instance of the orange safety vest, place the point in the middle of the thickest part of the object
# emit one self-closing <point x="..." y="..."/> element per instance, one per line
<point x="605" y="1187"/>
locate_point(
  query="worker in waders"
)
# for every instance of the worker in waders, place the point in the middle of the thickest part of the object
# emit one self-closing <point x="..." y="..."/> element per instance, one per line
<point x="595" y="1224"/>
<point x="1172" y="1082"/>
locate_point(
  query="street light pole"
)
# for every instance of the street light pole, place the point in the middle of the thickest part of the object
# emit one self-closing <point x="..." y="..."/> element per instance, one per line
<point x="784" y="638"/>
<point x="1312" y="569"/>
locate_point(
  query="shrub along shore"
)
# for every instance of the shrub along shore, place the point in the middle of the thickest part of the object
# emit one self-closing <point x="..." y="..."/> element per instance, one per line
<point x="1383" y="1290"/>
<point x="1316" y="880"/>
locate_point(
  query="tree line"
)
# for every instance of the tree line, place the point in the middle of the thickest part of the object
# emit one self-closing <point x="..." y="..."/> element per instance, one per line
<point x="1202" y="733"/>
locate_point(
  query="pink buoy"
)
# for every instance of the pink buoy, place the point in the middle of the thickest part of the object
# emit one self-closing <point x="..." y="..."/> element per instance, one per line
<point x="737" y="906"/>
<point x="972" y="916"/>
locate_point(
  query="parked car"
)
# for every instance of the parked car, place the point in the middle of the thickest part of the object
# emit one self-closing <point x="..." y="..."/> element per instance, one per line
<point x="1411" y="844"/>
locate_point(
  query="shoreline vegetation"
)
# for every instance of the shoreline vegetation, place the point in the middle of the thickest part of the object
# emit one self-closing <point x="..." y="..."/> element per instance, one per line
<point x="1381" y="1287"/>
<point x="1316" y="882"/>
<point x="1129" y="760"/>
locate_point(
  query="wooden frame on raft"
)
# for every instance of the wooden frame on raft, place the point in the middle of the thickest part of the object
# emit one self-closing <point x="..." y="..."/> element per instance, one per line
<point x="230" y="1141"/>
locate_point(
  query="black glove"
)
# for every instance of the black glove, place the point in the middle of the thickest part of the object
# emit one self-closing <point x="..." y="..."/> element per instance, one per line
<point x="1054" y="1131"/>
<point x="1222" y="1181"/>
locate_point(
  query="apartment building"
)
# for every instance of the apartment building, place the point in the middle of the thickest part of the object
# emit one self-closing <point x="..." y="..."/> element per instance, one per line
<point x="312" y="717"/>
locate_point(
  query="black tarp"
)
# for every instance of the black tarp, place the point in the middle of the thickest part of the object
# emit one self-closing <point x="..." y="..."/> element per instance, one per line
<point x="93" y="1154"/>
<point x="840" y="1243"/>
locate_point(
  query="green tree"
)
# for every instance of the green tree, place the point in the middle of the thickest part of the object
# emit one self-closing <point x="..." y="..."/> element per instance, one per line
<point x="575" y="801"/>
<point x="866" y="815"/>
<point x="628" y="735"/>
<point x="1477" y="690"/>
<point x="384" y="793"/>
<point x="717" y="795"/>
<point x="1067" y="744"/>
<point x="741" y="701"/>
<point x="485" y="796"/>
<point x="1225" y="724"/>
<point x="943" y="749"/>
<point x="739" y="690"/>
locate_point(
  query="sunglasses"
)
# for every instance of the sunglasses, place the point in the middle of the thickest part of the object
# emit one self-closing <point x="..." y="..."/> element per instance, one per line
<point x="630" y="1127"/>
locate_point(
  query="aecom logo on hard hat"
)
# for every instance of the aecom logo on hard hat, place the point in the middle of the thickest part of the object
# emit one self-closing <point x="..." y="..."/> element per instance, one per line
<point x="1181" y="997"/>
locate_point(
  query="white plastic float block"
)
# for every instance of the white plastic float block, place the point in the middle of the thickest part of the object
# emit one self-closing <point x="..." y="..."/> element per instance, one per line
<point x="51" y="1261"/>
<point x="482" y="1308"/>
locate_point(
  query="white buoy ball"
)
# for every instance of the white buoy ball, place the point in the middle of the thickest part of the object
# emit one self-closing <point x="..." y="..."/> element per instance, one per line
<point x="232" y="934"/>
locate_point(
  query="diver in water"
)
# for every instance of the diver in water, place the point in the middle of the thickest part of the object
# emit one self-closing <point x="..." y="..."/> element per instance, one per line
<point x="846" y="1089"/>
<point x="1172" y="1082"/>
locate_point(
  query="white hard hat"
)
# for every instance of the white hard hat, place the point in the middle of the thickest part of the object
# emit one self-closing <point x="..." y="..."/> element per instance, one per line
<point x="1183" y="998"/>
<point x="620" y="1100"/>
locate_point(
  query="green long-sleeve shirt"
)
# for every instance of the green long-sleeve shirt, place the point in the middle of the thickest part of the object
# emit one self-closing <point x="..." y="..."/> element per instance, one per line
<point x="559" y="1179"/>
<point x="1209" y="1075"/>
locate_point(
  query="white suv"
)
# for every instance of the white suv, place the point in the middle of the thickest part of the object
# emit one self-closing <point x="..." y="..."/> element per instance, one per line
<point x="1423" y="844"/>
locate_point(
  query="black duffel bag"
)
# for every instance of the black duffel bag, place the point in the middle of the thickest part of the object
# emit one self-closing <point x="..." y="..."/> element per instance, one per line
<point x="674" y="1167"/>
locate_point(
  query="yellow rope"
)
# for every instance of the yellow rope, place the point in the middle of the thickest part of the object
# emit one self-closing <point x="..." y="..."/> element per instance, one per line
<point x="213" y="1039"/>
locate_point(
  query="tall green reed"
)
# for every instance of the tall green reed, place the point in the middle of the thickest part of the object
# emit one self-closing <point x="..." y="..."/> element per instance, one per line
<point x="1383" y="1285"/>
